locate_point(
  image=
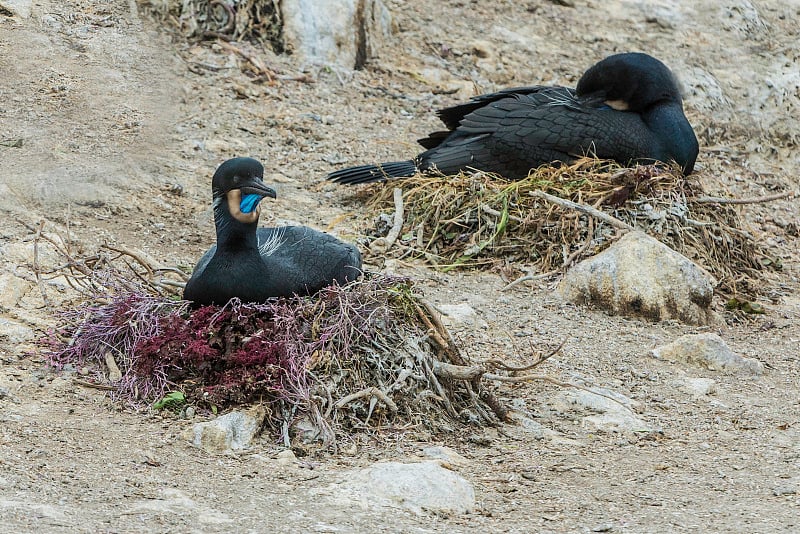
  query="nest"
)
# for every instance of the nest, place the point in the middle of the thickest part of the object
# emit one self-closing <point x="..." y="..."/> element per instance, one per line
<point x="559" y="215"/>
<point x="371" y="355"/>
<point x="230" y="20"/>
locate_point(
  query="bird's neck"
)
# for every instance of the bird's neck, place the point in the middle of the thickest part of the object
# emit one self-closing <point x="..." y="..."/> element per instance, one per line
<point x="233" y="235"/>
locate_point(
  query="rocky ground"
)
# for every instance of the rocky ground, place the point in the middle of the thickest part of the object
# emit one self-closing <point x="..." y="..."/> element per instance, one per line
<point x="111" y="125"/>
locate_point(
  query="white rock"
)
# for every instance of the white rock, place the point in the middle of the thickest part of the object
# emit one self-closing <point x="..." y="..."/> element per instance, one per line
<point x="707" y="350"/>
<point x="611" y="415"/>
<point x="286" y="456"/>
<point x="12" y="289"/>
<point x="20" y="8"/>
<point x="175" y="501"/>
<point x="15" y="333"/>
<point x="446" y="455"/>
<point x="698" y="387"/>
<point x="641" y="276"/>
<point x="416" y="487"/>
<point x="533" y="428"/>
<point x="230" y="432"/>
<point x="335" y="32"/>
<point x="459" y="314"/>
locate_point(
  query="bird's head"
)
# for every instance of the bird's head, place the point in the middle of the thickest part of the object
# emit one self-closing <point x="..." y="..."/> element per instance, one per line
<point x="238" y="186"/>
<point x="631" y="81"/>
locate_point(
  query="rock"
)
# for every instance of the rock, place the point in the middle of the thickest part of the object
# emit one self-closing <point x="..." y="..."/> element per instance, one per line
<point x="707" y="350"/>
<point x="175" y="501"/>
<point x="780" y="491"/>
<point x="15" y="333"/>
<point x="286" y="457"/>
<point x="610" y="416"/>
<point x="533" y="428"/>
<point x="641" y="276"/>
<point x="482" y="49"/>
<point x="18" y="8"/>
<point x="460" y="314"/>
<point x="230" y="432"/>
<point x="12" y="289"/>
<point x="416" y="487"/>
<point x="338" y="32"/>
<point x="442" y="80"/>
<point x="446" y="455"/>
<point x="698" y="387"/>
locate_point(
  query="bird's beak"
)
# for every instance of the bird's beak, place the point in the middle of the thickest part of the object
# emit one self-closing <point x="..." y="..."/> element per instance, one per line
<point x="258" y="188"/>
<point x="243" y="203"/>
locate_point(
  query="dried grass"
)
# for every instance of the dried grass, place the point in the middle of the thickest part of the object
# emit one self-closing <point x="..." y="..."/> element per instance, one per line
<point x="471" y="220"/>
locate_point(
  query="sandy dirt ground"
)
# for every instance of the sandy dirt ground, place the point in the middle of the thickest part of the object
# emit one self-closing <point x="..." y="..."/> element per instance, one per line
<point x="122" y="123"/>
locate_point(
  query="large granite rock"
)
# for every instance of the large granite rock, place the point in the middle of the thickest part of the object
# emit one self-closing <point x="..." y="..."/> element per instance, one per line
<point x="640" y="276"/>
<point x="339" y="32"/>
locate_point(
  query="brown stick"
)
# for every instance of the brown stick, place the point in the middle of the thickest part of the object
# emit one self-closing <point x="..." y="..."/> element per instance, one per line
<point x="541" y="359"/>
<point x="529" y="277"/>
<point x="260" y="69"/>
<point x="149" y="264"/>
<point x="583" y="208"/>
<point x="433" y="331"/>
<point x="369" y="392"/>
<point x="491" y="211"/>
<point x="114" y="374"/>
<point x="754" y="200"/>
<point x="397" y="227"/>
<point x="457" y="372"/>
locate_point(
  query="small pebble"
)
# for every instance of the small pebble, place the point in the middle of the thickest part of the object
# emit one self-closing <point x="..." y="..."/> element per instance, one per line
<point x="286" y="457"/>
<point x="784" y="490"/>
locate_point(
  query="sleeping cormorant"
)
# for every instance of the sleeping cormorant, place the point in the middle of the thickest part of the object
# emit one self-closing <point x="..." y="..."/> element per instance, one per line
<point x="626" y="108"/>
<point x="254" y="263"/>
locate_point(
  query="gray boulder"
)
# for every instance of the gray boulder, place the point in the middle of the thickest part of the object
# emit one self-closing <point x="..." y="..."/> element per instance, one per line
<point x="415" y="487"/>
<point x="335" y="32"/>
<point x="709" y="351"/>
<point x="227" y="433"/>
<point x="640" y="276"/>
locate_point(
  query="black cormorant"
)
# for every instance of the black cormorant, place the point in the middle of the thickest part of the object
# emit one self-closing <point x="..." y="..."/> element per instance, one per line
<point x="254" y="263"/>
<point x="626" y="108"/>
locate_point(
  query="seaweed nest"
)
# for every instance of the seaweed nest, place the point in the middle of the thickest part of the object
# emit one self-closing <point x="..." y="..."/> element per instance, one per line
<point x="559" y="215"/>
<point x="371" y="355"/>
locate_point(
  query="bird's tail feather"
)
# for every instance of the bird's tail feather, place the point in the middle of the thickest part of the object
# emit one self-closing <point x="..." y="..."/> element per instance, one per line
<point x="365" y="174"/>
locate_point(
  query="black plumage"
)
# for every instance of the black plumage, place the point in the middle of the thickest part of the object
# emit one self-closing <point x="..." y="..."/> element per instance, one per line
<point x="254" y="263"/>
<point x="626" y="108"/>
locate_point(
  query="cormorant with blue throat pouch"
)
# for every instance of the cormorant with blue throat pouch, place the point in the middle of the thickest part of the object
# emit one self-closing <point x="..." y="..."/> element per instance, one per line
<point x="627" y="108"/>
<point x="255" y="264"/>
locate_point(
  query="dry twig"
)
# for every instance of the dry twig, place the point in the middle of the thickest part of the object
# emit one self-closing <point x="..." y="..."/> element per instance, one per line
<point x="754" y="200"/>
<point x="583" y="208"/>
<point x="397" y="226"/>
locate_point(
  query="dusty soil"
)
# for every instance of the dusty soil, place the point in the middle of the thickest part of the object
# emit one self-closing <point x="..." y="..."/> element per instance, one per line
<point x="122" y="125"/>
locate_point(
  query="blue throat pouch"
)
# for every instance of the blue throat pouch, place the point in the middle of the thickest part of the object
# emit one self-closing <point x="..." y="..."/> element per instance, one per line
<point x="249" y="203"/>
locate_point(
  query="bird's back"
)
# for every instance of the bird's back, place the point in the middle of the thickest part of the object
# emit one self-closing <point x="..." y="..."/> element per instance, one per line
<point x="307" y="259"/>
<point x="514" y="132"/>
